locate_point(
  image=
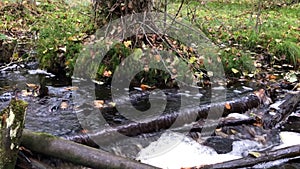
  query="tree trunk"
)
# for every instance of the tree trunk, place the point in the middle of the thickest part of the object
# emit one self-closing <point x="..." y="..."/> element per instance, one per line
<point x="107" y="10"/>
<point x="12" y="124"/>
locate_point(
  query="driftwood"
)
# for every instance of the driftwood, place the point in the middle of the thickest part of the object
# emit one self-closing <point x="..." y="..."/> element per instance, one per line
<point x="76" y="153"/>
<point x="279" y="115"/>
<point x="11" y="126"/>
<point x="283" y="153"/>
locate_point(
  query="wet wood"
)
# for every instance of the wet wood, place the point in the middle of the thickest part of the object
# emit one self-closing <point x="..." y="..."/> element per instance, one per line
<point x="165" y="121"/>
<point x="276" y="117"/>
<point x="11" y="126"/>
<point x="76" y="153"/>
<point x="81" y="139"/>
<point x="283" y="153"/>
<point x="223" y="122"/>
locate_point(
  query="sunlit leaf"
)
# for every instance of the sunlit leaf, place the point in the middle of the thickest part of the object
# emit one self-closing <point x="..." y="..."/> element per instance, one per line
<point x="210" y="73"/>
<point x="112" y="104"/>
<point x="234" y="70"/>
<point x="278" y="40"/>
<point x="192" y="60"/>
<point x="255" y="154"/>
<point x="145" y="87"/>
<point x="107" y="73"/>
<point x="99" y="103"/>
<point x="127" y="43"/>
<point x="227" y="106"/>
<point x="64" y="105"/>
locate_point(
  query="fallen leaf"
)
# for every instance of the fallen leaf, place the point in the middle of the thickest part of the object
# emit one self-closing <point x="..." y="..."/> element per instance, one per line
<point x="71" y="88"/>
<point x="255" y="154"/>
<point x="107" y="73"/>
<point x="32" y="86"/>
<point x="112" y="104"/>
<point x="146" y="87"/>
<point x="99" y="103"/>
<point x="127" y="43"/>
<point x="64" y="105"/>
<point x="235" y="71"/>
<point x="227" y="106"/>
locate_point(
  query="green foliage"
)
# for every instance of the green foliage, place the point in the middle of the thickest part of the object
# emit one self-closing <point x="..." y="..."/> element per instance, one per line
<point x="2" y="36"/>
<point x="288" y="50"/>
<point x="61" y="35"/>
<point x="235" y="24"/>
<point x="113" y="58"/>
<point x="234" y="59"/>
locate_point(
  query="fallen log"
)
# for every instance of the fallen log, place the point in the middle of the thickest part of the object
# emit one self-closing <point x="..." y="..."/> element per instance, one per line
<point x="76" y="153"/>
<point x="11" y="126"/>
<point x="166" y="120"/>
<point x="277" y="116"/>
<point x="249" y="161"/>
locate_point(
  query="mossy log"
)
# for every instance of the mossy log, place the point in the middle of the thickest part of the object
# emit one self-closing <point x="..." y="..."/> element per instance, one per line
<point x="12" y="124"/>
<point x="76" y="153"/>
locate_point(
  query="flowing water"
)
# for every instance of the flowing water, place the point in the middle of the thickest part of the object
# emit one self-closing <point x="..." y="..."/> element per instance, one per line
<point x="60" y="114"/>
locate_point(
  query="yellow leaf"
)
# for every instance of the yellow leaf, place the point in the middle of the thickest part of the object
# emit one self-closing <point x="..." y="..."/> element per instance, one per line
<point x="127" y="43"/>
<point x="73" y="38"/>
<point x="192" y="59"/>
<point x="255" y="154"/>
<point x="112" y="104"/>
<point x="234" y="70"/>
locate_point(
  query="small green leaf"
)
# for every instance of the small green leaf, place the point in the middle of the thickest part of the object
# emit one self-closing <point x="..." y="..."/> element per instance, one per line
<point x="2" y="36"/>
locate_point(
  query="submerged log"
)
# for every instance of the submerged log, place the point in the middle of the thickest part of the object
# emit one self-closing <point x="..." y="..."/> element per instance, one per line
<point x="283" y="153"/>
<point x="12" y="124"/>
<point x="76" y="153"/>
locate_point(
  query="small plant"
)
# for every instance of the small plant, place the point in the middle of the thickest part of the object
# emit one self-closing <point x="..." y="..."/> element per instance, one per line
<point x="289" y="51"/>
<point x="61" y="34"/>
<point x="236" y="62"/>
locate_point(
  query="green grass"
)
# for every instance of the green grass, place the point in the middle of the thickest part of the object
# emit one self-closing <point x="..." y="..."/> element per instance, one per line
<point x="61" y="26"/>
<point x="233" y="23"/>
<point x="61" y="34"/>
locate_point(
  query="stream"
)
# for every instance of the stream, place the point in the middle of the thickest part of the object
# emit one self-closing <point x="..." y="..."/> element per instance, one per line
<point x="61" y="115"/>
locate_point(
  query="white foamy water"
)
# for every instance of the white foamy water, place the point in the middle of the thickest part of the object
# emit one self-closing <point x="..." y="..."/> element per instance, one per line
<point x="173" y="151"/>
